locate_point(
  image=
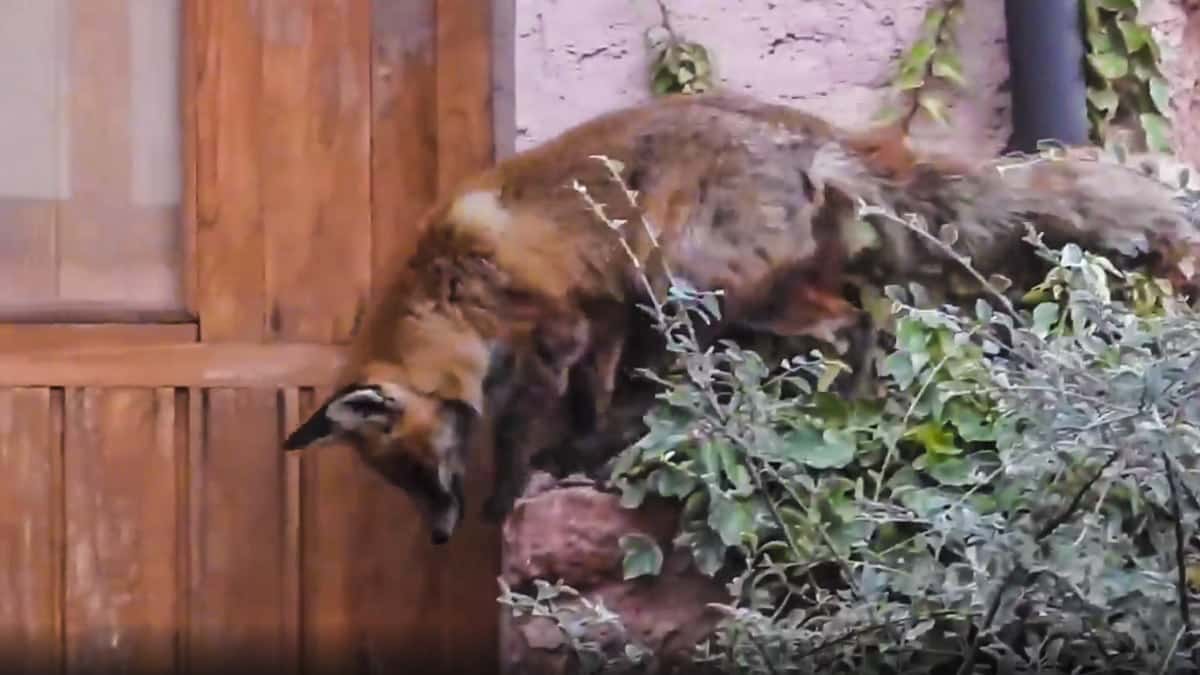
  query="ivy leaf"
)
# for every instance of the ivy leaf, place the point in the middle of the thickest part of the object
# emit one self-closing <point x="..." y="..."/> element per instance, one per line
<point x="947" y="66"/>
<point x="918" y="56"/>
<point x="1105" y="100"/>
<point x="1135" y="36"/>
<point x="1160" y="93"/>
<point x="642" y="557"/>
<point x="1118" y="6"/>
<point x="1109" y="65"/>
<point x="1158" y="131"/>
<point x="910" y="78"/>
<point x="970" y="423"/>
<point x="934" y="105"/>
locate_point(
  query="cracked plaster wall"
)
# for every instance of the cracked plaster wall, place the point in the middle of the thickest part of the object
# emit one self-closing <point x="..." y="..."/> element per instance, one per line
<point x="578" y="58"/>
<point x="574" y="59"/>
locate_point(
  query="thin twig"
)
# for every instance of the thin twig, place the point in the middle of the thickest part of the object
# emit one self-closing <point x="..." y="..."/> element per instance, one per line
<point x="1066" y="514"/>
<point x="1177" y="516"/>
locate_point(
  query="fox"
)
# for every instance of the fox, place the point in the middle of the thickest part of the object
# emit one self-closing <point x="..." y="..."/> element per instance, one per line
<point x="523" y="294"/>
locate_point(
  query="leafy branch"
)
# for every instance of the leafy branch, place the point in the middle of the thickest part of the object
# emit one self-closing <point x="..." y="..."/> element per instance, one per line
<point x="677" y="65"/>
<point x="932" y="60"/>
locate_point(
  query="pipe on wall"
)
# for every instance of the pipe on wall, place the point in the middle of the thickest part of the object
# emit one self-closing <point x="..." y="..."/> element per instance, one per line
<point x="1047" y="76"/>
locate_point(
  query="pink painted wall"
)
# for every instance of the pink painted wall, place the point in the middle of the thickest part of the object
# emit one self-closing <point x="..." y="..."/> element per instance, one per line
<point x="577" y="58"/>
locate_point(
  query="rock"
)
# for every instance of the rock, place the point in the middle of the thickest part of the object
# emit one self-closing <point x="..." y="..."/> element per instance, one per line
<point x="570" y="532"/>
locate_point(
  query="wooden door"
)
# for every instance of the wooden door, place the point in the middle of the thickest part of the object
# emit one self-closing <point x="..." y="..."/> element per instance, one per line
<point x="197" y="198"/>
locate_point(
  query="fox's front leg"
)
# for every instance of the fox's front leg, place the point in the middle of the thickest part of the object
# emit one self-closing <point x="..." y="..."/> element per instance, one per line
<point x="511" y="465"/>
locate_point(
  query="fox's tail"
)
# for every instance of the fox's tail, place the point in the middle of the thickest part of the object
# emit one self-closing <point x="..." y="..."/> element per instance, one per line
<point x="1106" y="206"/>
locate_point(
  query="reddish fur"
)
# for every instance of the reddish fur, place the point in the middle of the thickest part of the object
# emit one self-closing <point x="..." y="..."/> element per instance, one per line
<point x="746" y="196"/>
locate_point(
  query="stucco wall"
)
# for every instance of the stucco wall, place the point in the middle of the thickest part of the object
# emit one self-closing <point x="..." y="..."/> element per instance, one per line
<point x="577" y="58"/>
<point x="573" y="59"/>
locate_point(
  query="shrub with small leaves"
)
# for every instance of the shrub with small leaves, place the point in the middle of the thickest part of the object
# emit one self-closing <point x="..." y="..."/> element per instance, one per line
<point x="579" y="621"/>
<point x="1020" y="496"/>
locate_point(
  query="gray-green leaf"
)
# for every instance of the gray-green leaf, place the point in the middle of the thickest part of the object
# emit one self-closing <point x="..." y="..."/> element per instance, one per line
<point x="643" y="557"/>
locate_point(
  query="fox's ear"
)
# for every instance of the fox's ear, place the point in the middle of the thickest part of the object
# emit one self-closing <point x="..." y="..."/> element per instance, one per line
<point x="352" y="409"/>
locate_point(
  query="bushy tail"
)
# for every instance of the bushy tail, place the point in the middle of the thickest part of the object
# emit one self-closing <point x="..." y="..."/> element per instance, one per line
<point x="1109" y="207"/>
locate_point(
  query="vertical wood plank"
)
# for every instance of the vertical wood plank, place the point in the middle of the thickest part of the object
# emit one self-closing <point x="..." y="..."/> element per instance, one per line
<point x="464" y="89"/>
<point x="315" y="121"/>
<point x="192" y="34"/>
<point x="293" y="546"/>
<point x="464" y="112"/>
<point x="332" y="486"/>
<point x="404" y="129"/>
<point x="237" y="593"/>
<point x="30" y="559"/>
<point x="230" y="246"/>
<point x="120" y="531"/>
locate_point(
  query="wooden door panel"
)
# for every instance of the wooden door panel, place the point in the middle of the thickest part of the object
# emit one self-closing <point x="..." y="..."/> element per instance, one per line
<point x="238" y="500"/>
<point x="149" y="519"/>
<point x="120" y="505"/>
<point x="30" y="530"/>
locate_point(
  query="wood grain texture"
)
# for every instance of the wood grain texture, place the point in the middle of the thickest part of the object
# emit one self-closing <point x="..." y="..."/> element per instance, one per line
<point x="119" y="476"/>
<point x="464" y="90"/>
<point x="332" y="487"/>
<point x="35" y="336"/>
<point x="192" y="34"/>
<point x="236" y="600"/>
<point x="467" y="605"/>
<point x="315" y="158"/>
<point x="404" y="129"/>
<point x="180" y="365"/>
<point x="230" y="244"/>
<point x="30" y="554"/>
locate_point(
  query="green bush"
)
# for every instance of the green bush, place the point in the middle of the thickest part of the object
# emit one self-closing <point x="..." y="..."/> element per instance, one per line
<point x="1018" y="495"/>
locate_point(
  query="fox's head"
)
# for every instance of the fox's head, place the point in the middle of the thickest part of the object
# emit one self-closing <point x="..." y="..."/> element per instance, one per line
<point x="416" y="441"/>
<point x="439" y="346"/>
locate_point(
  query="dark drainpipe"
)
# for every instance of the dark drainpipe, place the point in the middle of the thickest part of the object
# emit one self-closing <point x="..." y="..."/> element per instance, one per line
<point x="1046" y="59"/>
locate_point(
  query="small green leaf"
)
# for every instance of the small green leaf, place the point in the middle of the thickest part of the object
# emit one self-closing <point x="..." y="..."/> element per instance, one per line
<point x="918" y="56"/>
<point x="933" y="21"/>
<point x="910" y="78"/>
<point x="1045" y="316"/>
<point x="671" y="481"/>
<point x="1158" y="132"/>
<point x="1135" y="36"/>
<point x="1105" y="100"/>
<point x="900" y="368"/>
<point x="952" y="471"/>
<point x="829" y="450"/>
<point x="730" y="518"/>
<point x="708" y="551"/>
<point x="643" y="557"/>
<point x="1160" y="93"/>
<point x="1109" y="65"/>
<point x="947" y="66"/>
<point x="935" y="438"/>
<point x="933" y="105"/>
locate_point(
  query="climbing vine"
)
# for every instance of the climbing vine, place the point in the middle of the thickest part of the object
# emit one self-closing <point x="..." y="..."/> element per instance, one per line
<point x="930" y="66"/>
<point x="677" y="65"/>
<point x="1125" y="86"/>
